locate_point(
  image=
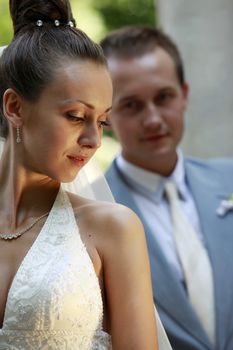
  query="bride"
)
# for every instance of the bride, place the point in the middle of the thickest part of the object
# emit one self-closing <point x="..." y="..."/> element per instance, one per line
<point x="74" y="272"/>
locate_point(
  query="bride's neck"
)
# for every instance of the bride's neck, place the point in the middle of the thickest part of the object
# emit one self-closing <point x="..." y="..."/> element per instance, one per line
<point x="23" y="192"/>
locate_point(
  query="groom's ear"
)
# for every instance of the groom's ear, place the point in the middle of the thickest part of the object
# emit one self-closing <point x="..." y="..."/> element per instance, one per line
<point x="12" y="108"/>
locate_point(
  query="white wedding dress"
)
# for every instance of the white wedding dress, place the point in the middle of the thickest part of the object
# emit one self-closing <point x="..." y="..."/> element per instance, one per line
<point x="55" y="300"/>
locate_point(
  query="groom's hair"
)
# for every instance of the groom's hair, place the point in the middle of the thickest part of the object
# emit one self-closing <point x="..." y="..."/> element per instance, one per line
<point x="136" y="41"/>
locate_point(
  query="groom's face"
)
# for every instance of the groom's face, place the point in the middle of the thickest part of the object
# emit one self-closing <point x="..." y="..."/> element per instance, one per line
<point x="148" y="107"/>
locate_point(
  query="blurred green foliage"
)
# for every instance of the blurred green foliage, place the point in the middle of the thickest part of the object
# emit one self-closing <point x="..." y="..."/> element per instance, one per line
<point x="126" y="12"/>
<point x="95" y="17"/>
<point x="5" y="23"/>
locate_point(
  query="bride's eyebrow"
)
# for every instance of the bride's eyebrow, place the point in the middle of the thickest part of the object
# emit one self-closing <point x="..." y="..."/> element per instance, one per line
<point x="92" y="107"/>
<point x="88" y="105"/>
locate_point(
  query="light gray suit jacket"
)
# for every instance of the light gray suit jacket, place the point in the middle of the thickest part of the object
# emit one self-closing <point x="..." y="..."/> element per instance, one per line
<point x="209" y="182"/>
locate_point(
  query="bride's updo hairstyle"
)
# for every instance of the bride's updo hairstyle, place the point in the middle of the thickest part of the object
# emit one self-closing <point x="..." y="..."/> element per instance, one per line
<point x="45" y="37"/>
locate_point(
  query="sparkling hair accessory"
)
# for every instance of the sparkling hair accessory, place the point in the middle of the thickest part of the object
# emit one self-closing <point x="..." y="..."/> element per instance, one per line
<point x="56" y="23"/>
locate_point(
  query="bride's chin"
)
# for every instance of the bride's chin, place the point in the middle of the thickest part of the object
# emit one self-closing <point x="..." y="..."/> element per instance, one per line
<point x="69" y="178"/>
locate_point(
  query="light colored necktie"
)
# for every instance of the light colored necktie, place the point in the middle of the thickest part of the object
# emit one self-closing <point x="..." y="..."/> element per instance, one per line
<point x="195" y="263"/>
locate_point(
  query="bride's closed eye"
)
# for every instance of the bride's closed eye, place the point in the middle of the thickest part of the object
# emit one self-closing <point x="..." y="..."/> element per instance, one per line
<point x="74" y="118"/>
<point x="104" y="123"/>
<point x="81" y="119"/>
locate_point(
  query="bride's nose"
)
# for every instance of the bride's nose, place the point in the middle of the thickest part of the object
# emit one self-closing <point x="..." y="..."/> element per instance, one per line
<point x="90" y="137"/>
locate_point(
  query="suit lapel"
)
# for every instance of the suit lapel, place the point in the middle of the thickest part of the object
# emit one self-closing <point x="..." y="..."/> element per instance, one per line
<point x="208" y="189"/>
<point x="167" y="289"/>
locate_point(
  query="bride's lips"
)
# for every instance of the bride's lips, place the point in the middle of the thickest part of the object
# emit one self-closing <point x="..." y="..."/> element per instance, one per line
<point x="77" y="160"/>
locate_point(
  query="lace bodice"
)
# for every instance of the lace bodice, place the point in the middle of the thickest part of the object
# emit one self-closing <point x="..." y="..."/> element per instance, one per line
<point x="55" y="300"/>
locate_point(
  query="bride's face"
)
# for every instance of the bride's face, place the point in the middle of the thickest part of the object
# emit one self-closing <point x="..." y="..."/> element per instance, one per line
<point x="63" y="129"/>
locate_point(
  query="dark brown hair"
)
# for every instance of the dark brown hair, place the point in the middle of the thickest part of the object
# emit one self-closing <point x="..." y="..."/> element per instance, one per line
<point x="36" y="52"/>
<point x="135" y="41"/>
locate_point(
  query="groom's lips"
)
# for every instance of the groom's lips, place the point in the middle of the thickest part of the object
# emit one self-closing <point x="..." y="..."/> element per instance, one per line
<point x="155" y="137"/>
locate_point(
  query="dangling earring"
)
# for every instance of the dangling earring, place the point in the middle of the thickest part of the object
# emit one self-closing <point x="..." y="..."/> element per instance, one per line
<point x="18" y="137"/>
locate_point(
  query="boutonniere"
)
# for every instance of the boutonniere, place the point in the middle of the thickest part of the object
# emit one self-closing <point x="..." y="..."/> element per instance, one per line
<point x="225" y="206"/>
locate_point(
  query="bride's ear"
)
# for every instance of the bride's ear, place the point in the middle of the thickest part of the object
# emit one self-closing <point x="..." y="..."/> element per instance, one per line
<point x="12" y="107"/>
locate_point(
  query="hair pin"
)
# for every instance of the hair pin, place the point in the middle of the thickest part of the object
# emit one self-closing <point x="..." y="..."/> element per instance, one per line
<point x="39" y="23"/>
<point x="57" y="23"/>
<point x="71" y="24"/>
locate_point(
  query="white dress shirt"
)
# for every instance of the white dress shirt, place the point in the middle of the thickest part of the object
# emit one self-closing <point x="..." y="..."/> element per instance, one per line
<point x="148" y="193"/>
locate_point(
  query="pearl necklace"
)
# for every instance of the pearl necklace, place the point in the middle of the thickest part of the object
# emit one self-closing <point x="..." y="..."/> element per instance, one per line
<point x="9" y="236"/>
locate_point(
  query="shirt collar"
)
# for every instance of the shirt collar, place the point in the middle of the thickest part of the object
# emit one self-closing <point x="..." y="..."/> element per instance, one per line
<point x="178" y="175"/>
<point x="154" y="182"/>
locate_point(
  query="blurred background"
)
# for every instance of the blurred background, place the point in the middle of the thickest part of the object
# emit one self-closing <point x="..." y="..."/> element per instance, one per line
<point x="203" y="31"/>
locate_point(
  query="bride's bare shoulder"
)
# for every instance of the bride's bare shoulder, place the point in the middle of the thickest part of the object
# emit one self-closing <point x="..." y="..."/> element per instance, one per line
<point x="105" y="217"/>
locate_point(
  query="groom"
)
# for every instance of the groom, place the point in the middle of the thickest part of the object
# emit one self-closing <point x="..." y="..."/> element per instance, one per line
<point x="149" y="103"/>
